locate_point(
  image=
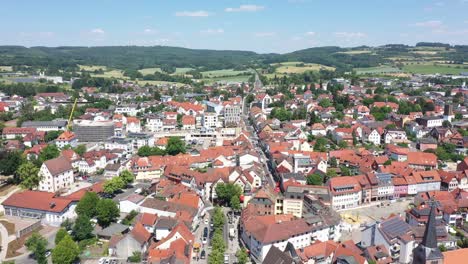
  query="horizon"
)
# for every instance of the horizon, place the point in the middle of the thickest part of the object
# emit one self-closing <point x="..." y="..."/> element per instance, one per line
<point x="260" y="26"/>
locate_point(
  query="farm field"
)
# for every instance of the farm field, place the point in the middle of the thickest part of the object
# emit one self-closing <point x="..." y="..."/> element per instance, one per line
<point x="299" y="67"/>
<point x="6" y="68"/>
<point x="377" y="70"/>
<point x="182" y="70"/>
<point x="241" y="78"/>
<point x="432" y="69"/>
<point x="92" y="67"/>
<point x="355" y="52"/>
<point x="111" y="74"/>
<point x="148" y="71"/>
<point x="220" y="73"/>
<point x="144" y="82"/>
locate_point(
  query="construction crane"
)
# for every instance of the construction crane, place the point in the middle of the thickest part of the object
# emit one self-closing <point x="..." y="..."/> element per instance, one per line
<point x="71" y="114"/>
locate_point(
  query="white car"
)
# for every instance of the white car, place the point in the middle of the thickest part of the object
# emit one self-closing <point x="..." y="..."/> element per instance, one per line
<point x="204" y="241"/>
<point x="206" y="221"/>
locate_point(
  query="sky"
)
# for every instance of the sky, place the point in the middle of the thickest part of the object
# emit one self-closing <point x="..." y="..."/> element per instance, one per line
<point x="263" y="26"/>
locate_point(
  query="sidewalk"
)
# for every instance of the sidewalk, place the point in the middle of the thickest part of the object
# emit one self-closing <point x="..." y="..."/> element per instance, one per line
<point x="5" y="240"/>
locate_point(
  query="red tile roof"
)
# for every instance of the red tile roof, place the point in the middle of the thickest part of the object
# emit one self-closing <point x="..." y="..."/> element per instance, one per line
<point x="43" y="201"/>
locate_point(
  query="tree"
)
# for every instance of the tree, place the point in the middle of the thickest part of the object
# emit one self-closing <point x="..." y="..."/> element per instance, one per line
<point x="242" y="256"/>
<point x="107" y="211"/>
<point x="2" y="126"/>
<point x="314" y="179"/>
<point x="345" y="171"/>
<point x="61" y="233"/>
<point x="342" y="144"/>
<point x="325" y="103"/>
<point x="218" y="217"/>
<point x="87" y="204"/>
<point x="66" y="252"/>
<point x="52" y="135"/>
<point x="82" y="229"/>
<point x="29" y="175"/>
<point x="175" y="146"/>
<point x="235" y="203"/>
<point x="135" y="257"/>
<point x="113" y="185"/>
<point x="226" y="192"/>
<point x="80" y="149"/>
<point x="10" y="162"/>
<point x="38" y="245"/>
<point x="331" y="173"/>
<point x="48" y="153"/>
<point x="218" y="242"/>
<point x="320" y="144"/>
<point x="127" y="176"/>
<point x="333" y="162"/>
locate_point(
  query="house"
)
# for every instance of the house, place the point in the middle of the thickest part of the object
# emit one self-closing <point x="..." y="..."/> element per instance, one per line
<point x="57" y="175"/>
<point x="148" y="221"/>
<point x="345" y="192"/>
<point x="123" y="246"/>
<point x="133" y="125"/>
<point x="188" y="122"/>
<point x="394" y="136"/>
<point x="422" y="160"/>
<point x="430" y="121"/>
<point x="176" y="247"/>
<point x="318" y="129"/>
<point x="374" y="137"/>
<point x="67" y="138"/>
<point x="131" y="203"/>
<point x="45" y="206"/>
<point x="113" y="170"/>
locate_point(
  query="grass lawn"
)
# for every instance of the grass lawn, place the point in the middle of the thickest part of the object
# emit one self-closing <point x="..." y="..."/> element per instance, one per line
<point x="432" y="69"/>
<point x="147" y="71"/>
<point x="219" y="73"/>
<point x="377" y="70"/>
<point x="111" y="74"/>
<point x="92" y="67"/>
<point x="182" y="70"/>
<point x="16" y="244"/>
<point x="6" y="68"/>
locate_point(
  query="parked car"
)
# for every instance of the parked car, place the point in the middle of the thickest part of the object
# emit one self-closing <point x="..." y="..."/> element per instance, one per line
<point x="204" y="241"/>
<point x="203" y="254"/>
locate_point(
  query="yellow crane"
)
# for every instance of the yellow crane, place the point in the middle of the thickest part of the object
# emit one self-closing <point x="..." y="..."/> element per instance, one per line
<point x="71" y="114"/>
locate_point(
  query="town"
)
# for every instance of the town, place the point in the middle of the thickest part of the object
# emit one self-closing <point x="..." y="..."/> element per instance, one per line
<point x="210" y="132"/>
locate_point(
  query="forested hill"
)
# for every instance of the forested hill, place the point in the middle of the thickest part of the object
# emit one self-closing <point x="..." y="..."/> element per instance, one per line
<point x="137" y="57"/>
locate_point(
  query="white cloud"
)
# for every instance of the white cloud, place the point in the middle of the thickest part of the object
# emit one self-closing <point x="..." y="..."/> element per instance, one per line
<point x="245" y="8"/>
<point x="310" y="34"/>
<point x="350" y="35"/>
<point x="265" y="34"/>
<point x="200" y="13"/>
<point x="429" y="24"/>
<point x="212" y="31"/>
<point x="97" y="31"/>
<point x="149" y="31"/>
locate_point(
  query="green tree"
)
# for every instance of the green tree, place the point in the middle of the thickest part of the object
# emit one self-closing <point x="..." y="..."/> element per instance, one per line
<point x="314" y="179"/>
<point x="235" y="203"/>
<point x="342" y="144"/>
<point x="38" y="245"/>
<point x="87" y="204"/>
<point x="218" y="217"/>
<point x="29" y="176"/>
<point x="135" y="257"/>
<point x="113" y="185"/>
<point x="107" y="212"/>
<point x="10" y="162"/>
<point x="218" y="242"/>
<point x="127" y="177"/>
<point x="2" y="126"/>
<point x="52" y="135"/>
<point x="345" y="171"/>
<point x="61" y="233"/>
<point x="331" y="173"/>
<point x="82" y="229"/>
<point x="242" y="256"/>
<point x="66" y="252"/>
<point x="320" y="144"/>
<point x="325" y="103"/>
<point x="175" y="146"/>
<point x="80" y="149"/>
<point x="333" y="162"/>
<point x="226" y="192"/>
<point x="216" y="257"/>
<point x="49" y="152"/>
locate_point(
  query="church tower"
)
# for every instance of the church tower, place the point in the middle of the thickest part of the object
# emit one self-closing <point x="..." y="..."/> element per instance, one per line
<point x="427" y="251"/>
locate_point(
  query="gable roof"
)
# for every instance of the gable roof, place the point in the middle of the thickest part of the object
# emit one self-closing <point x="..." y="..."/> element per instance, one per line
<point x="58" y="165"/>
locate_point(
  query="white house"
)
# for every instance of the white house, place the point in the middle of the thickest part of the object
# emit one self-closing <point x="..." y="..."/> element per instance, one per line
<point x="56" y="174"/>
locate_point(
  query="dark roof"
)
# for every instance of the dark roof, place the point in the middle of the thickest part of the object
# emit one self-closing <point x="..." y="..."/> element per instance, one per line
<point x="430" y="235"/>
<point x="276" y="256"/>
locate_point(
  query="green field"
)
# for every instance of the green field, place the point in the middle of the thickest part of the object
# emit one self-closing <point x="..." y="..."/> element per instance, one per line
<point x="221" y="73"/>
<point x="299" y="67"/>
<point x="111" y="74"/>
<point x="148" y="71"/>
<point x="92" y="67"/>
<point x="241" y="78"/>
<point x="355" y="52"/>
<point x="433" y="69"/>
<point x="182" y="70"/>
<point x="143" y="82"/>
<point x="377" y="70"/>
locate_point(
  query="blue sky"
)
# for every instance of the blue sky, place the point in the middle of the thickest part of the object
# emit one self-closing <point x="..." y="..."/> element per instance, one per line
<point x="263" y="25"/>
